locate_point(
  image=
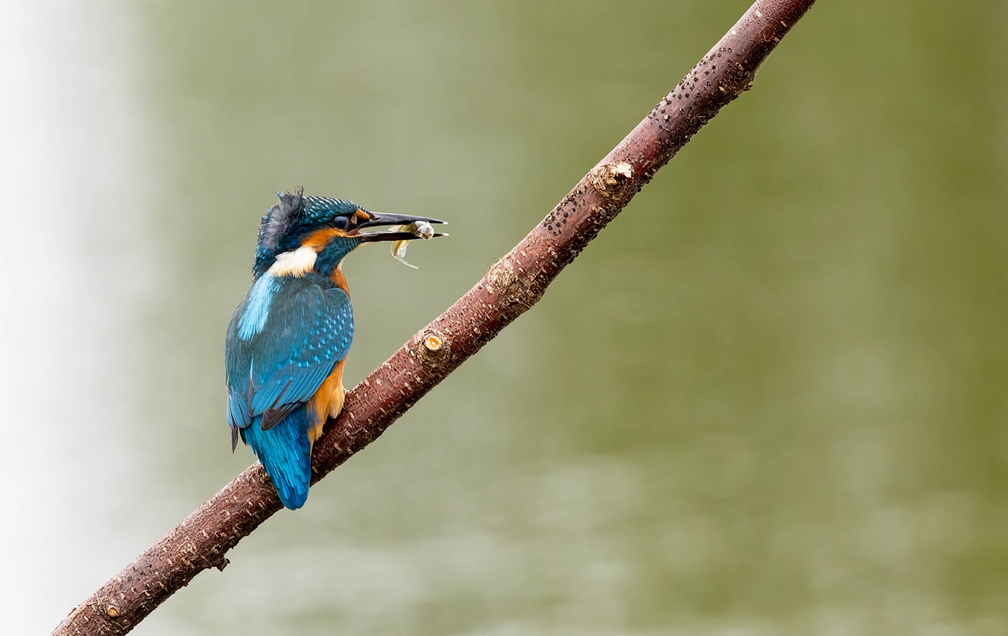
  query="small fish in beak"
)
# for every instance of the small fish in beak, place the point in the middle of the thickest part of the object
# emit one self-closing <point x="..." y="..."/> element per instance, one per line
<point x="419" y="229"/>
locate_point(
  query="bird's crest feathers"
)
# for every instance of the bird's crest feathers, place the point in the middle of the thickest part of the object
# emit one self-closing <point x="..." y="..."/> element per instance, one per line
<point x="279" y="220"/>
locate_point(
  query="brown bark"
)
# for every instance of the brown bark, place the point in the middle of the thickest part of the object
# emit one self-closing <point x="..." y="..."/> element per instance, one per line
<point x="511" y="286"/>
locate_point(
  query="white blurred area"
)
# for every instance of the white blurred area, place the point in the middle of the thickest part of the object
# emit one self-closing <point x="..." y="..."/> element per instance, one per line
<point x="77" y="265"/>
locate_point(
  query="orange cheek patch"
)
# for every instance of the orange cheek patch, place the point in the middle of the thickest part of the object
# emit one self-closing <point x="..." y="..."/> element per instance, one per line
<point x="318" y="239"/>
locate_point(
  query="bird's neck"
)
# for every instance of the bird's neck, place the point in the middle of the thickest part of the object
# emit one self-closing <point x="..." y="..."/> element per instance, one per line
<point x="339" y="279"/>
<point x="321" y="252"/>
<point x="330" y="259"/>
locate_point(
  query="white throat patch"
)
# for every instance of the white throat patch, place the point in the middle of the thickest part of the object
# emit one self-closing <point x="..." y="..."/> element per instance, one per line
<point x="295" y="263"/>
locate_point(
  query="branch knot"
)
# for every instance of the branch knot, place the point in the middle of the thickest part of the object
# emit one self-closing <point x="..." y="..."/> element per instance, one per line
<point x="432" y="347"/>
<point x="501" y="278"/>
<point x="613" y="180"/>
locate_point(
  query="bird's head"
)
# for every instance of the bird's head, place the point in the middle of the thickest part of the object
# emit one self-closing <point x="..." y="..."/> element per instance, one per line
<point x="298" y="221"/>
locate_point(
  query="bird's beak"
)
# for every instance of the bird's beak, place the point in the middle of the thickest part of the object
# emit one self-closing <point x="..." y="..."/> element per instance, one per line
<point x="378" y="220"/>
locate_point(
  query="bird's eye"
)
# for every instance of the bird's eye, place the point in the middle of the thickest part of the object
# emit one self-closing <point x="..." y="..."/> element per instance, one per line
<point x="341" y="222"/>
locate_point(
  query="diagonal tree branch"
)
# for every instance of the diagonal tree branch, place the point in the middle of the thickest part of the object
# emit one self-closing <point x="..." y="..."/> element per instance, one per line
<point x="511" y="286"/>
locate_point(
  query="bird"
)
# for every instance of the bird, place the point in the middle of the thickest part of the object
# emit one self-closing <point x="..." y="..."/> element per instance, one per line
<point x="287" y="340"/>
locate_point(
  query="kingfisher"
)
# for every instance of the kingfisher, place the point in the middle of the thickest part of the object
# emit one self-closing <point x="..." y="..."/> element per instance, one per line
<point x="288" y="339"/>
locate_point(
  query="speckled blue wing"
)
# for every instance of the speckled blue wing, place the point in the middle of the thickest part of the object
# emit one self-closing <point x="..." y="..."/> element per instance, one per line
<point x="279" y="351"/>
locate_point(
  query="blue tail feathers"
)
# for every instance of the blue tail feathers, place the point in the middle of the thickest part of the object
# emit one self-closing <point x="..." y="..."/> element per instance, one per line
<point x="285" y="453"/>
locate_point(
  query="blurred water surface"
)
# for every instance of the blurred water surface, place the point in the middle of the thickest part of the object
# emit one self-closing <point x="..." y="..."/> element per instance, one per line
<point x="769" y="399"/>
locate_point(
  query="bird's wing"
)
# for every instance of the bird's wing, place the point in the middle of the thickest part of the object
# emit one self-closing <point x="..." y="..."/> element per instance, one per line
<point x="308" y="330"/>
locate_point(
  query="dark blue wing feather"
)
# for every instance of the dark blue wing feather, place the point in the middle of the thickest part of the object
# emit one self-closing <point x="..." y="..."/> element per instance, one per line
<point x="279" y="359"/>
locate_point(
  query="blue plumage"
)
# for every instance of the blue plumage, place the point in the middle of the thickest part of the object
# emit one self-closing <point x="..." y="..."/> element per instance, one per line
<point x="256" y="307"/>
<point x="285" y="453"/>
<point x="275" y="370"/>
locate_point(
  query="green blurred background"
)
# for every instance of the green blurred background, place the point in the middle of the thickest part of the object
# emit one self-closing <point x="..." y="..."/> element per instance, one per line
<point x="769" y="399"/>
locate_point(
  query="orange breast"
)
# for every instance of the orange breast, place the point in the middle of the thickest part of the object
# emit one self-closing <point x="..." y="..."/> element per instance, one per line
<point x="327" y="401"/>
<point x="339" y="279"/>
